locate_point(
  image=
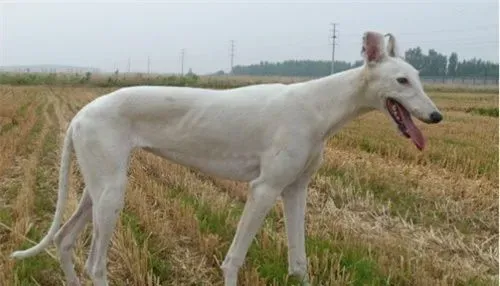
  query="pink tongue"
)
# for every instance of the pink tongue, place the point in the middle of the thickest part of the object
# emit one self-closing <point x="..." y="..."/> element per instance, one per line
<point x="415" y="134"/>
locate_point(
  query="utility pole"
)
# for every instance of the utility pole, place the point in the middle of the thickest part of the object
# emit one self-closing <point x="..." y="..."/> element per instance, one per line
<point x="182" y="61"/>
<point x="128" y="65"/>
<point x="231" y="53"/>
<point x="334" y="38"/>
<point x="149" y="65"/>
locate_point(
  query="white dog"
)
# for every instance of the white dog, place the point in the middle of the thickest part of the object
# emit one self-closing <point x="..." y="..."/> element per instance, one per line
<point x="271" y="135"/>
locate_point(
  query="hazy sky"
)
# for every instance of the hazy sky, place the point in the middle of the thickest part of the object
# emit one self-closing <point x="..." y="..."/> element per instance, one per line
<point x="106" y="34"/>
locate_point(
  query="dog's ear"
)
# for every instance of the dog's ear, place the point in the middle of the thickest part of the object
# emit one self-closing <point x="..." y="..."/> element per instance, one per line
<point x="392" y="50"/>
<point x="373" y="47"/>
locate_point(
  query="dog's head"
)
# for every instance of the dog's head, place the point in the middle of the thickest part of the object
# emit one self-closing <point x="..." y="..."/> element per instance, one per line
<point x="393" y="86"/>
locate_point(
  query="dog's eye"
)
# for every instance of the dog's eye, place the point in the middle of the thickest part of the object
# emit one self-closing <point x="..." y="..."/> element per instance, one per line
<point x="402" y="80"/>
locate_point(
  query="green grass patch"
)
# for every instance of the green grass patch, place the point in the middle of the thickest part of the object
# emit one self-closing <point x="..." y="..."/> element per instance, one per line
<point x="133" y="222"/>
<point x="5" y="216"/>
<point x="455" y="156"/>
<point x="51" y="111"/>
<point x="160" y="266"/>
<point x="43" y="269"/>
<point x="413" y="207"/>
<point x="33" y="135"/>
<point x="341" y="254"/>
<point x="271" y="263"/>
<point x="483" y="111"/>
<point x="7" y="127"/>
<point x="459" y="88"/>
<point x="342" y="257"/>
<point x="27" y="145"/>
<point x="369" y="146"/>
<point x="383" y="146"/>
<point x="39" y="109"/>
<point x="478" y="281"/>
<point x="22" y="111"/>
<point x="158" y="262"/>
<point x="10" y="191"/>
<point x="46" y="177"/>
<point x="454" y="142"/>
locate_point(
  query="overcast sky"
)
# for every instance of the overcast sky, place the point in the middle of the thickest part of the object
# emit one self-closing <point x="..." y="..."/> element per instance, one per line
<point x="105" y="35"/>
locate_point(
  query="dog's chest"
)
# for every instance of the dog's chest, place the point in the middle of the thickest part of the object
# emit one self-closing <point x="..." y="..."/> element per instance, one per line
<point x="231" y="166"/>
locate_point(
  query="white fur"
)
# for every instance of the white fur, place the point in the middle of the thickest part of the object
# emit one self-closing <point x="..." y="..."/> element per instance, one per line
<point x="270" y="135"/>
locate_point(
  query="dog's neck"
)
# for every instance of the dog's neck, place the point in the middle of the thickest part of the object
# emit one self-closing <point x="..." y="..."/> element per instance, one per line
<point x="336" y="99"/>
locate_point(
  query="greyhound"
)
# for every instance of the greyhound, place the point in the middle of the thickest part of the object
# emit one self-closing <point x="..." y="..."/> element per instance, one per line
<point x="269" y="135"/>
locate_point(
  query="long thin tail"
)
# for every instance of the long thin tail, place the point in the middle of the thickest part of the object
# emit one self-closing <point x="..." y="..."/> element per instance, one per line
<point x="61" y="200"/>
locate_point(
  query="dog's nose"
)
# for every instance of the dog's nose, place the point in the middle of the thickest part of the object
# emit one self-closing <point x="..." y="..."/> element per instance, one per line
<point x="436" y="117"/>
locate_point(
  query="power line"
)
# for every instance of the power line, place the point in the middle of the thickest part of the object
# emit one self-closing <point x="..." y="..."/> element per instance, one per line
<point x="456" y="41"/>
<point x="358" y="36"/>
<point x="421" y="32"/>
<point x="231" y="53"/>
<point x="334" y="37"/>
<point x="315" y="44"/>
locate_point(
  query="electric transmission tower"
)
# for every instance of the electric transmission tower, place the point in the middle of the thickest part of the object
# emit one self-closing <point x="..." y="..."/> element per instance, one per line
<point x="149" y="65"/>
<point x="334" y="43"/>
<point x="182" y="61"/>
<point x="231" y="54"/>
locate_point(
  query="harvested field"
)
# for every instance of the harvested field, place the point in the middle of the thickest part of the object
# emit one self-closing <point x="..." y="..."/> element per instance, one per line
<point x="379" y="211"/>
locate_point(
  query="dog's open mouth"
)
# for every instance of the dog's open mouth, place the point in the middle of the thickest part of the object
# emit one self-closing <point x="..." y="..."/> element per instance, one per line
<point x="405" y="124"/>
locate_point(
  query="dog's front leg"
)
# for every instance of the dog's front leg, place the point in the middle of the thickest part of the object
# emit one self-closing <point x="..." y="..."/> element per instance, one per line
<point x="280" y="167"/>
<point x="294" y="201"/>
<point x="261" y="199"/>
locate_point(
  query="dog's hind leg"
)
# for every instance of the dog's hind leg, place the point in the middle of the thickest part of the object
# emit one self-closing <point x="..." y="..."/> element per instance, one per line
<point x="105" y="215"/>
<point x="103" y="155"/>
<point x="67" y="235"/>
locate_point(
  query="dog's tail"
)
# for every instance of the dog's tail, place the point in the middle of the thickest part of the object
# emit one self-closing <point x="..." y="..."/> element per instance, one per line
<point x="61" y="200"/>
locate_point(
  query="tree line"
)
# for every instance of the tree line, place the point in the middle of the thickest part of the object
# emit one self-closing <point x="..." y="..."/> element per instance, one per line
<point x="431" y="64"/>
<point x="307" y="68"/>
<point x="436" y="64"/>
